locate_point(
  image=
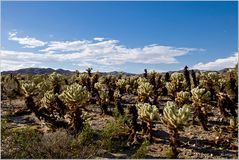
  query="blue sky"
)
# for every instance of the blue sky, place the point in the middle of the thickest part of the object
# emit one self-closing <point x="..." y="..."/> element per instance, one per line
<point x="122" y="36"/>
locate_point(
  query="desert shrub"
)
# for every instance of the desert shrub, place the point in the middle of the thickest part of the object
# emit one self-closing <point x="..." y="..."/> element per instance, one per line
<point x="142" y="151"/>
<point x="18" y="142"/>
<point x="112" y="132"/>
<point x="87" y="136"/>
<point x="29" y="143"/>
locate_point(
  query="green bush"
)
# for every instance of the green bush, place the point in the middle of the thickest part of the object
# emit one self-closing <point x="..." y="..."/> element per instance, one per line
<point x="142" y="151"/>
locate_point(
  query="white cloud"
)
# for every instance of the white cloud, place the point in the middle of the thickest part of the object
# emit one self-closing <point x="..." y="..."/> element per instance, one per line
<point x="218" y="64"/>
<point x="27" y="42"/>
<point x="109" y="52"/>
<point x="98" y="39"/>
<point x="99" y="52"/>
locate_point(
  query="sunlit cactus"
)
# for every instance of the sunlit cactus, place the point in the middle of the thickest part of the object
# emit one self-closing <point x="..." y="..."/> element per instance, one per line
<point x="209" y="81"/>
<point x="74" y="97"/>
<point x="55" y="79"/>
<point x="117" y="101"/>
<point x="11" y="86"/>
<point x="176" y="119"/>
<point x="201" y="99"/>
<point x="141" y="80"/>
<point x="49" y="100"/>
<point x="176" y="84"/>
<point x="28" y="88"/>
<point x="145" y="91"/>
<point x="117" y="94"/>
<point x="148" y="113"/>
<point x="74" y="94"/>
<point x="103" y="96"/>
<point x="121" y="84"/>
<point x="43" y="87"/>
<point x="233" y="124"/>
<point x="200" y="95"/>
<point x="128" y="89"/>
<point x="183" y="97"/>
<point x="177" y="77"/>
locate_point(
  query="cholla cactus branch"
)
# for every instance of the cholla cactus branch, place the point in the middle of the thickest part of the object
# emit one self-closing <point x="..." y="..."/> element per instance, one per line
<point x="175" y="119"/>
<point x="148" y="113"/>
<point x="183" y="98"/>
<point x="74" y="95"/>
<point x="201" y="99"/>
<point x="145" y="91"/>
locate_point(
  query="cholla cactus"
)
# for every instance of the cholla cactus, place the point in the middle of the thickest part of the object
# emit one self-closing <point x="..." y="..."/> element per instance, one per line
<point x="175" y="119"/>
<point x="43" y="87"/>
<point x="11" y="86"/>
<point x="145" y="91"/>
<point x="148" y="113"/>
<point x="200" y="95"/>
<point x="49" y="100"/>
<point x="141" y="80"/>
<point x="29" y="92"/>
<point x="74" y="95"/>
<point x="224" y="102"/>
<point x="233" y="124"/>
<point x="183" y="98"/>
<point x="56" y="82"/>
<point x="209" y="80"/>
<point x="28" y="88"/>
<point x="176" y="84"/>
<point x="232" y="81"/>
<point x="117" y="94"/>
<point x="128" y="88"/>
<point x="117" y="101"/>
<point x="177" y="77"/>
<point x="201" y="99"/>
<point x="121" y="84"/>
<point x="103" y="96"/>
<point x="55" y="76"/>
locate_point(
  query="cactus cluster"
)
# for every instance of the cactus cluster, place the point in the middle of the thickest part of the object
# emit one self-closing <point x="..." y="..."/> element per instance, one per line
<point x="183" y="97"/>
<point x="201" y="98"/>
<point x="74" y="94"/>
<point x="176" y="84"/>
<point x="103" y="96"/>
<point x="49" y="99"/>
<point x="28" y="88"/>
<point x="121" y="83"/>
<point x="147" y="113"/>
<point x="145" y="91"/>
<point x="175" y="119"/>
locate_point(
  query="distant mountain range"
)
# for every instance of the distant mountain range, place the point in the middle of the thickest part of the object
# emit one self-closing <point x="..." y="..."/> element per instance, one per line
<point x="50" y="70"/>
<point x="67" y="72"/>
